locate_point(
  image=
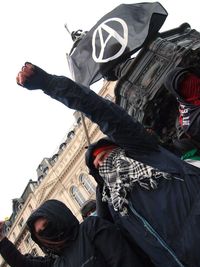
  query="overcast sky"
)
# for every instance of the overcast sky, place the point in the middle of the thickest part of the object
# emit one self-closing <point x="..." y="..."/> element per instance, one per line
<point x="32" y="124"/>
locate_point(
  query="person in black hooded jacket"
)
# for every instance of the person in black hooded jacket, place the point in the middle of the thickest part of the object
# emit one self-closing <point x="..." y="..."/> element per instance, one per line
<point x="184" y="84"/>
<point x="94" y="242"/>
<point x="149" y="192"/>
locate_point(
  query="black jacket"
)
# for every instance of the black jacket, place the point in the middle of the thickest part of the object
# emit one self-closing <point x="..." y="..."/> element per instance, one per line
<point x="95" y="242"/>
<point x="190" y="112"/>
<point x="164" y="222"/>
<point x="15" y="259"/>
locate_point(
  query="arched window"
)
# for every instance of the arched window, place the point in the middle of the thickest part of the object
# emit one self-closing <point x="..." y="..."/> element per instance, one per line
<point x="40" y="178"/>
<point x="46" y="169"/>
<point x="70" y="135"/>
<point x="77" y="196"/>
<point x="30" y="207"/>
<point x="21" y="223"/>
<point x="34" y="252"/>
<point x="40" y="167"/>
<point x="54" y="158"/>
<point x="28" y="240"/>
<point x="62" y="146"/>
<point x="87" y="183"/>
<point x="14" y="235"/>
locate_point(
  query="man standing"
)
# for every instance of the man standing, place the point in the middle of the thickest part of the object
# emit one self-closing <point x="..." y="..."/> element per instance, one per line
<point x="151" y="194"/>
<point x="93" y="243"/>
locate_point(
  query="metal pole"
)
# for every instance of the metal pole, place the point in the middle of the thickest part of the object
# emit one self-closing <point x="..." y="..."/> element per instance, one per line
<point x="82" y="116"/>
<point x="85" y="128"/>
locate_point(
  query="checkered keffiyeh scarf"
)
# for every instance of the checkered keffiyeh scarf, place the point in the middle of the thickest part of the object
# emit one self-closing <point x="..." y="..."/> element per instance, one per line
<point x="121" y="173"/>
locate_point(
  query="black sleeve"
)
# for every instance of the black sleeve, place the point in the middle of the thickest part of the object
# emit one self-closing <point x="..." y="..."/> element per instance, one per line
<point x="109" y="241"/>
<point x="15" y="259"/>
<point x="111" y="118"/>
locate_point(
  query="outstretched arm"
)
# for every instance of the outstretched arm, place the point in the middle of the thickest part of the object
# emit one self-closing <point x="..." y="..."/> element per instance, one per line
<point x="112" y="119"/>
<point x="15" y="259"/>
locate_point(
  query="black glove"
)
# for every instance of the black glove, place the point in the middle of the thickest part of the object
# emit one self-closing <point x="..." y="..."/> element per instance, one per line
<point x="38" y="80"/>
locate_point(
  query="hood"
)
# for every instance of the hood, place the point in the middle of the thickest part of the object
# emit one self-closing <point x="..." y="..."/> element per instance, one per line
<point x="62" y="224"/>
<point x="89" y="158"/>
<point x="174" y="78"/>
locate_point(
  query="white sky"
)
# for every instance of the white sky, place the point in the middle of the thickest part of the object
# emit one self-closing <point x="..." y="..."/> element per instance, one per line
<point x="32" y="124"/>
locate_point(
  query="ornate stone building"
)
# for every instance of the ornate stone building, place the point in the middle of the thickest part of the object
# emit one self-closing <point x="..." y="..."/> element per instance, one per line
<point x="64" y="176"/>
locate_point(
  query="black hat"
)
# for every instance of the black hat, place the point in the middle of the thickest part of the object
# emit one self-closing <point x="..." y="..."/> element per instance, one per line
<point x="89" y="206"/>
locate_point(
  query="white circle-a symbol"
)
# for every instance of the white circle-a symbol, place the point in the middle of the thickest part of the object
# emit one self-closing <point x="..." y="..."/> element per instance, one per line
<point x="122" y="40"/>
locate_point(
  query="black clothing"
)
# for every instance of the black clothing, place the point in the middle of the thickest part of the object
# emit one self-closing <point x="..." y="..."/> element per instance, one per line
<point x="164" y="222"/>
<point x="62" y="224"/>
<point x="15" y="259"/>
<point x="95" y="242"/>
<point x="99" y="244"/>
<point x="191" y="113"/>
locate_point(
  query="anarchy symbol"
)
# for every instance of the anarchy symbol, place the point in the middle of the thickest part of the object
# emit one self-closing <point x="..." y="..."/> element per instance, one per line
<point x="103" y="44"/>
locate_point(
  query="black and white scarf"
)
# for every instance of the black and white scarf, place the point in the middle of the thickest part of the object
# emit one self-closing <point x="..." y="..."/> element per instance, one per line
<point x="120" y="173"/>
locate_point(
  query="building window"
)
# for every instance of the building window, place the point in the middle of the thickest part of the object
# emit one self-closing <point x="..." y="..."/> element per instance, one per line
<point x="34" y="252"/>
<point x="14" y="236"/>
<point x="30" y="207"/>
<point x="40" y="178"/>
<point x="70" y="135"/>
<point x="109" y="97"/>
<point x="79" y="120"/>
<point x="54" y="158"/>
<point x="20" y="206"/>
<point x="77" y="196"/>
<point x="63" y="146"/>
<point x="21" y="223"/>
<point x="46" y="169"/>
<point x="87" y="183"/>
<point x="40" y="167"/>
<point x="28" y="240"/>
